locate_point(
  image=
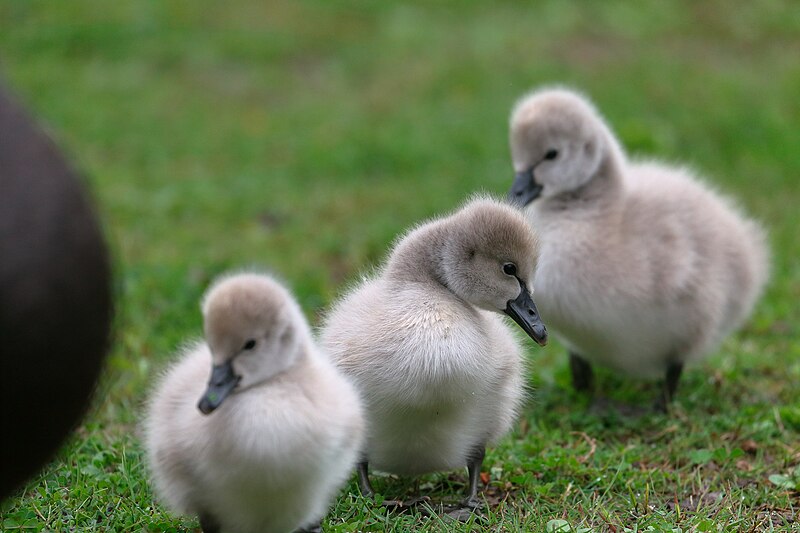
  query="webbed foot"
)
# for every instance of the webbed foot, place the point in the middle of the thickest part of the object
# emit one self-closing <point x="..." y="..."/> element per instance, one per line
<point x="462" y="514"/>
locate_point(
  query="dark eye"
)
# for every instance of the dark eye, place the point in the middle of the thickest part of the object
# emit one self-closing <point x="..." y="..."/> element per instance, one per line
<point x="510" y="269"/>
<point x="551" y="154"/>
<point x="249" y="345"/>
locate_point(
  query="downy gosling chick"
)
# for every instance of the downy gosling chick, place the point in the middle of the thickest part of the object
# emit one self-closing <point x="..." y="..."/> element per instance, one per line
<point x="269" y="439"/>
<point x="439" y="370"/>
<point x="642" y="268"/>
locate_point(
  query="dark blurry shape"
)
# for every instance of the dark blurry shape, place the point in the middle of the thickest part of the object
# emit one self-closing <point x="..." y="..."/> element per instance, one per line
<point x="55" y="297"/>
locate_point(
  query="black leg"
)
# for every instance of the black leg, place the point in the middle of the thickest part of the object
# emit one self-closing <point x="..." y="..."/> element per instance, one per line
<point x="670" y="386"/>
<point x="582" y="378"/>
<point x="209" y="524"/>
<point x="466" y="509"/>
<point x="474" y="469"/>
<point x="363" y="480"/>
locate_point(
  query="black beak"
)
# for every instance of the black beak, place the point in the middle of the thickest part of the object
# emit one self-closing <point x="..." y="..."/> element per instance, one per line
<point x="524" y="190"/>
<point x="222" y="382"/>
<point x="524" y="313"/>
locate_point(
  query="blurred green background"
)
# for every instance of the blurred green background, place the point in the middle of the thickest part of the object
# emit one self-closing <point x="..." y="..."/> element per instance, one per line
<point x="302" y="137"/>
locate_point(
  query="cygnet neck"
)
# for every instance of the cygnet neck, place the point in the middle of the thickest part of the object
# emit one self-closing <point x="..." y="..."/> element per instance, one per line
<point x="601" y="192"/>
<point x="418" y="257"/>
<point x="303" y="348"/>
<point x="302" y="354"/>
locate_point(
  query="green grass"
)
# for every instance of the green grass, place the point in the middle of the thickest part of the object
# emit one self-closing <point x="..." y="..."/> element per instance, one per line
<point x="303" y="136"/>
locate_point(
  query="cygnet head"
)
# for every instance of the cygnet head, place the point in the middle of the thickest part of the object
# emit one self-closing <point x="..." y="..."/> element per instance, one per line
<point x="488" y="259"/>
<point x="254" y="330"/>
<point x="558" y="143"/>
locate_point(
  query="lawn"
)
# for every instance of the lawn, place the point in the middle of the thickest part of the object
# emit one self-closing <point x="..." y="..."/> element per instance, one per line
<point x="302" y="137"/>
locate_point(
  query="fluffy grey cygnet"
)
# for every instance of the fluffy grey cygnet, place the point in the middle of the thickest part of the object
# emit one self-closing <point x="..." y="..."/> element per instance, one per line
<point x="265" y="443"/>
<point x="643" y="268"/>
<point x="440" y="371"/>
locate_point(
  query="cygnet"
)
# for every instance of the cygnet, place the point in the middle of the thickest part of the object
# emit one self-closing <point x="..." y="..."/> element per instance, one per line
<point x="642" y="268"/>
<point x="440" y="372"/>
<point x="266" y="442"/>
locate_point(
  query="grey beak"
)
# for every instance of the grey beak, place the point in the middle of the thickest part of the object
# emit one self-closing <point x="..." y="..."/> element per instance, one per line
<point x="524" y="312"/>
<point x="524" y="190"/>
<point x="222" y="382"/>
